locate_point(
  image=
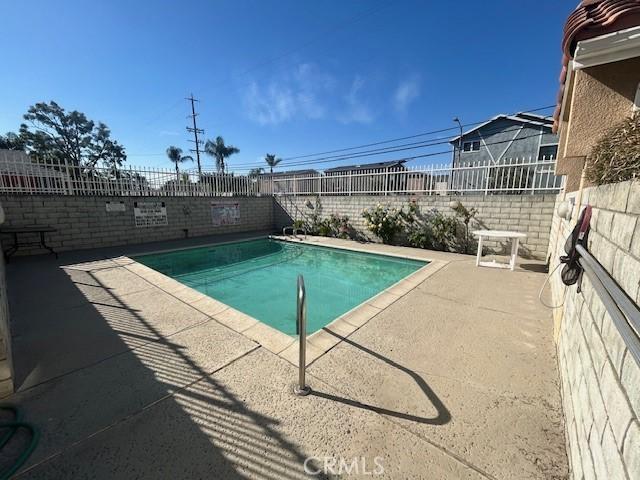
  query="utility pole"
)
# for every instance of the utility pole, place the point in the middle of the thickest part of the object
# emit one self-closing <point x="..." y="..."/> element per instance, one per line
<point x="457" y="120"/>
<point x="195" y="130"/>
<point x="453" y="181"/>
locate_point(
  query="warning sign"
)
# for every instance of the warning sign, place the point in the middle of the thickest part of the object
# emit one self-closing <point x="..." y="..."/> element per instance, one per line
<point x="225" y="214"/>
<point x="150" y="214"/>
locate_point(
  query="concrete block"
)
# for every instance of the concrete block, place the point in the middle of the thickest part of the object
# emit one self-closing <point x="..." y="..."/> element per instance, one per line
<point x="631" y="451"/>
<point x="635" y="241"/>
<point x="604" y="251"/>
<point x="630" y="380"/>
<point x="6" y="388"/>
<point x="575" y="460"/>
<point x="626" y="271"/>
<point x="605" y="220"/>
<point x="618" y="408"/>
<point x="583" y="399"/>
<point x="622" y="230"/>
<point x="598" y="409"/>
<point x="613" y="342"/>
<point x="620" y="196"/>
<point x="633" y="203"/>
<point x="614" y="463"/>
<point x="598" y="455"/>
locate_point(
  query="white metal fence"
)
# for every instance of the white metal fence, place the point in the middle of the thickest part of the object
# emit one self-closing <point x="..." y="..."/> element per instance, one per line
<point x="516" y="176"/>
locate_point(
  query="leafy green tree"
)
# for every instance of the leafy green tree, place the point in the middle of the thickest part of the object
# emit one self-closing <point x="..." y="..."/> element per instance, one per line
<point x="220" y="151"/>
<point x="55" y="135"/>
<point x="11" y="141"/>
<point x="272" y="161"/>
<point x="176" y="157"/>
<point x="254" y="172"/>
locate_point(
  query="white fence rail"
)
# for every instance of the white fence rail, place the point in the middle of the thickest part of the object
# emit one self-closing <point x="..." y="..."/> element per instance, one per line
<point x="509" y="177"/>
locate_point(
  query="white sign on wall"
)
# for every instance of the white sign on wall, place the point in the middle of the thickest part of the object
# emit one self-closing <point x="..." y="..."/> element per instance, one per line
<point x="150" y="214"/>
<point x="115" y="207"/>
<point x="225" y="214"/>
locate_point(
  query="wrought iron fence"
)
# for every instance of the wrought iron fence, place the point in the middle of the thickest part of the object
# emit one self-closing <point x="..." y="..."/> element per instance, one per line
<point x="516" y="176"/>
<point x="513" y="176"/>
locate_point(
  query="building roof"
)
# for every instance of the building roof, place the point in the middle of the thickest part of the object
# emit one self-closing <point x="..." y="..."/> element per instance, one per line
<point x="366" y="166"/>
<point x="522" y="117"/>
<point x="292" y="172"/>
<point x="15" y="162"/>
<point x="592" y="18"/>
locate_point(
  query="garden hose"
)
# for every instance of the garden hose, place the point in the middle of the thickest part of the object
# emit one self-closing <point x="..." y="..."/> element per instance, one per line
<point x="546" y="281"/>
<point x="13" y="427"/>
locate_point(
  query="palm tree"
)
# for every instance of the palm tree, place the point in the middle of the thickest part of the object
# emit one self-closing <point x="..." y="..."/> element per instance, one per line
<point x="219" y="151"/>
<point x="272" y="161"/>
<point x="175" y="155"/>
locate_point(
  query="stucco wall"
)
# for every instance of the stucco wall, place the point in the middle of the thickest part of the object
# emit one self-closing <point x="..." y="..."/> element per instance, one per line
<point x="600" y="379"/>
<point x="600" y="97"/>
<point x="524" y="213"/>
<point x="83" y="222"/>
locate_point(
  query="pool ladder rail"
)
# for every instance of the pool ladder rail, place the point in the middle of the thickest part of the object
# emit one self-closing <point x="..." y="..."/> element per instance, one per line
<point x="294" y="231"/>
<point x="301" y="388"/>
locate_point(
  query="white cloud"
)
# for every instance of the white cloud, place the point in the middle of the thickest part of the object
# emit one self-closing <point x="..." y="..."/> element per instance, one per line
<point x="357" y="111"/>
<point x="269" y="106"/>
<point x="407" y="91"/>
<point x="295" y="95"/>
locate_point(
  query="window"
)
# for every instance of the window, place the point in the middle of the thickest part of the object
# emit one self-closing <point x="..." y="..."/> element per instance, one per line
<point x="548" y="152"/>
<point x="471" y="146"/>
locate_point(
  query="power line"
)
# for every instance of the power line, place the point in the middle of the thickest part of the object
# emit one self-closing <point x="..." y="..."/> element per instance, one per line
<point x="195" y="130"/>
<point x="386" y="150"/>
<point x="432" y="132"/>
<point x="381" y="151"/>
<point x="431" y="154"/>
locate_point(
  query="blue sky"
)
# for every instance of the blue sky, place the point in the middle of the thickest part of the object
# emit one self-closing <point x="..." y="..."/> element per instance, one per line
<point x="284" y="77"/>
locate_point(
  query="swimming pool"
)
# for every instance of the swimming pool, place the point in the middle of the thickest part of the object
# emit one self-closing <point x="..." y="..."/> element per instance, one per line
<point x="259" y="278"/>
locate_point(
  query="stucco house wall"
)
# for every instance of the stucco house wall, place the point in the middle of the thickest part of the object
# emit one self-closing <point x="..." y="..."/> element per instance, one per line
<point x="600" y="97"/>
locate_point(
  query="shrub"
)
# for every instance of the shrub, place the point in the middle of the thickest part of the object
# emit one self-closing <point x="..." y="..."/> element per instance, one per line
<point x="340" y="226"/>
<point x="386" y="222"/>
<point x="466" y="215"/>
<point x="437" y="232"/>
<point x="333" y="226"/>
<point x="616" y="157"/>
<point x="324" y="228"/>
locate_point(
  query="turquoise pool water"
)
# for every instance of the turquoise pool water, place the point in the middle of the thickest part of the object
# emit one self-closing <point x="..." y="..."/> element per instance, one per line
<point x="259" y="278"/>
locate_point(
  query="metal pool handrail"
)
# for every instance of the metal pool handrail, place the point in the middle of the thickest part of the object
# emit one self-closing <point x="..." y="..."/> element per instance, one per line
<point x="624" y="312"/>
<point x="301" y="329"/>
<point x="294" y="231"/>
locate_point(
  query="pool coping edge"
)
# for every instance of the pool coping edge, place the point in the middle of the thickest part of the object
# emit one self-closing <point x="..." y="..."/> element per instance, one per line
<point x="273" y="340"/>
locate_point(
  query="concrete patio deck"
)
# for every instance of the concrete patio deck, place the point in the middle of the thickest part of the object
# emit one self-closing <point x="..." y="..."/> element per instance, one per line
<point x="455" y="379"/>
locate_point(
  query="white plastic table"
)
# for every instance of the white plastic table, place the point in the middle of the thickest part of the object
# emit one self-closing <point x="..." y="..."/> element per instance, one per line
<point x="515" y="244"/>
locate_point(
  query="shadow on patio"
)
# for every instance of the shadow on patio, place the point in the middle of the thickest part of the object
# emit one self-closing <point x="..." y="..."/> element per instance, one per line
<point x="125" y="367"/>
<point x="443" y="415"/>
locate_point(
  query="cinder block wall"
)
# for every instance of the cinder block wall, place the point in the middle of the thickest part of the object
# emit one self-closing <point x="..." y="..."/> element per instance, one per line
<point x="83" y="222"/>
<point x="530" y="214"/>
<point x="6" y="363"/>
<point x="600" y="379"/>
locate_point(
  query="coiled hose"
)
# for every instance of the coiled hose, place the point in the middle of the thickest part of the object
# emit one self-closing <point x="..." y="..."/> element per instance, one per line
<point x="13" y="427"/>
